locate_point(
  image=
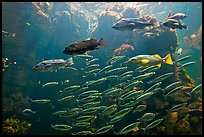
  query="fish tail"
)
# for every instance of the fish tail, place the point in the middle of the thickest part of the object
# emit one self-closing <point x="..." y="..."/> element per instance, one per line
<point x="144" y="129"/>
<point x="184" y="26"/>
<point x="154" y="22"/>
<point x="168" y="59"/>
<point x="69" y="61"/>
<point x="169" y="14"/>
<point x="102" y="42"/>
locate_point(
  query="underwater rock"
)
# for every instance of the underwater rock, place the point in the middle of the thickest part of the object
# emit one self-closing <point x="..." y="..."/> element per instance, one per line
<point x="15" y="103"/>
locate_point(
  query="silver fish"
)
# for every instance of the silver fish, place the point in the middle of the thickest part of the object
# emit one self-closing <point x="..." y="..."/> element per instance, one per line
<point x="40" y="101"/>
<point x="161" y="78"/>
<point x="84" y="56"/>
<point x="183" y="58"/>
<point x="128" y="128"/>
<point x="177" y="107"/>
<point x="53" y="65"/>
<point x="28" y="112"/>
<point x="104" y="129"/>
<point x="61" y="127"/>
<point x="147" y="117"/>
<point x="152" y="125"/>
<point x="129" y="24"/>
<point x="50" y="84"/>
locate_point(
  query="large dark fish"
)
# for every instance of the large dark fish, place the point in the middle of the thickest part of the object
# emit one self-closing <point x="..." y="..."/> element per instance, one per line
<point x="83" y="46"/>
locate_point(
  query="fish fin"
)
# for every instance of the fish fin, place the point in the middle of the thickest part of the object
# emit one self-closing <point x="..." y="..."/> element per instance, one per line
<point x="102" y="42"/>
<point x="97" y="47"/>
<point x="168" y="59"/>
<point x="158" y="65"/>
<point x="154" y="22"/>
<point x="144" y="61"/>
<point x="69" y="62"/>
<point x="157" y="56"/>
<point x="169" y="14"/>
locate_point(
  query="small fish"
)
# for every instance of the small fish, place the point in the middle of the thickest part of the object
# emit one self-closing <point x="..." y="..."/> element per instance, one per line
<point x="61" y="127"/>
<point x="126" y="77"/>
<point x="61" y="112"/>
<point x="89" y="110"/>
<point x="88" y="99"/>
<point x="28" y="23"/>
<point x="146" y="69"/>
<point x="156" y="85"/>
<point x="116" y="70"/>
<point x="139" y="108"/>
<point x="89" y="117"/>
<point x="186" y="64"/>
<point x="84" y="46"/>
<point x="194" y="89"/>
<point x="92" y="71"/>
<point x="71" y="68"/>
<point x="50" y="84"/>
<point x="127" y="73"/>
<point x="109" y="110"/>
<point x="67" y="98"/>
<point x="152" y="125"/>
<point x="40" y="101"/>
<point x="143" y="76"/>
<point x="105" y="69"/>
<point x="28" y="112"/>
<point x="104" y="129"/>
<point x="91" y="67"/>
<point x="161" y="78"/>
<point x="149" y="60"/>
<point x="139" y="68"/>
<point x="82" y="124"/>
<point x="150" y="35"/>
<point x="132" y="95"/>
<point x="183" y="58"/>
<point x="128" y="128"/>
<point x="84" y="56"/>
<point x="119" y="115"/>
<point x="177" y="107"/>
<point x="90" y="104"/>
<point x="8" y="34"/>
<point x="156" y="90"/>
<point x="65" y="82"/>
<point x="96" y="82"/>
<point x="177" y="16"/>
<point x="113" y="92"/>
<point x="112" y="77"/>
<point x="91" y="61"/>
<point x="133" y="84"/>
<point x="84" y="132"/>
<point x="129" y="104"/>
<point x="147" y="117"/>
<point x="71" y="88"/>
<point x="179" y="52"/>
<point x="171" y="86"/>
<point x="52" y="65"/>
<point x="87" y="93"/>
<point x="114" y="59"/>
<point x="144" y="96"/>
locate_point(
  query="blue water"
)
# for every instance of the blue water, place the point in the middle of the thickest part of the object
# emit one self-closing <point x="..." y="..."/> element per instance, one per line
<point x="44" y="36"/>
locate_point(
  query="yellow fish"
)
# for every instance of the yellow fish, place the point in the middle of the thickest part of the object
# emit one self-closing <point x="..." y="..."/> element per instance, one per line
<point x="149" y="60"/>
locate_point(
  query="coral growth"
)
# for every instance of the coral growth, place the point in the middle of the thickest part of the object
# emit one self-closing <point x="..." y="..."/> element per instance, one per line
<point x="13" y="126"/>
